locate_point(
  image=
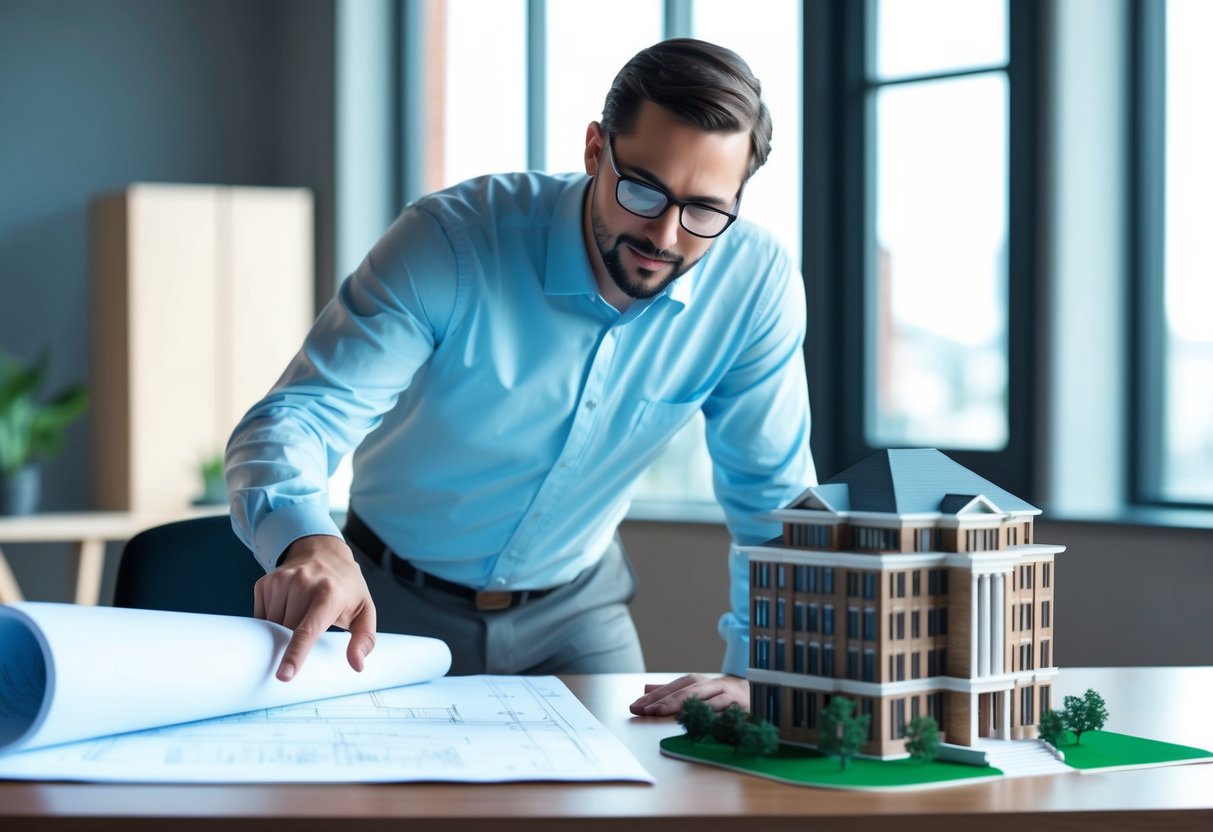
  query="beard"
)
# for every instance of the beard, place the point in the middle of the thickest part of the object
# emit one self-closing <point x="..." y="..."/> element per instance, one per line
<point x="646" y="283"/>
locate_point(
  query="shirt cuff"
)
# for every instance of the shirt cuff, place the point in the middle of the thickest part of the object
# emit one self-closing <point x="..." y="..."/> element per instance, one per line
<point x="736" y="635"/>
<point x="282" y="527"/>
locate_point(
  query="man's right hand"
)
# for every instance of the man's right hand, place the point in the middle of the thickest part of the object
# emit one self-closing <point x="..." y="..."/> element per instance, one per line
<point x="317" y="584"/>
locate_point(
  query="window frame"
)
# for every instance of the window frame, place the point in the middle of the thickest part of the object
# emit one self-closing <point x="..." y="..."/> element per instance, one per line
<point x="839" y="204"/>
<point x="1147" y="171"/>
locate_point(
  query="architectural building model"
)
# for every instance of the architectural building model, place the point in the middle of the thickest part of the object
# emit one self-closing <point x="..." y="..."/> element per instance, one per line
<point x="912" y="586"/>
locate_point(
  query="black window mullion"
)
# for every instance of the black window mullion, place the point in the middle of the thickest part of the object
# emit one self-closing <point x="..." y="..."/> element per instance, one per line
<point x="1147" y="179"/>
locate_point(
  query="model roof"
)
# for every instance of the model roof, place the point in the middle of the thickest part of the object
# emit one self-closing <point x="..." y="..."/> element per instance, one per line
<point x="909" y="481"/>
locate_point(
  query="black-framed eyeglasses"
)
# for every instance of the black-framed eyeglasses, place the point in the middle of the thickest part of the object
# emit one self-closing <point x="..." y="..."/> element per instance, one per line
<point x="651" y="201"/>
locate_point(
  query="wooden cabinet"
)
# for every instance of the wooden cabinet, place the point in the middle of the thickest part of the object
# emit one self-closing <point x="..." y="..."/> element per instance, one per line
<point x="200" y="296"/>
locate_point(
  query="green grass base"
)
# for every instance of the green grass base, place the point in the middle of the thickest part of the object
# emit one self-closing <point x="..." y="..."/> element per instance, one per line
<point x="1107" y="749"/>
<point x="806" y="767"/>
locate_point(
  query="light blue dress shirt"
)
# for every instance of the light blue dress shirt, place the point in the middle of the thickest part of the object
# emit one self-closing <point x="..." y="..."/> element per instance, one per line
<point x="502" y="412"/>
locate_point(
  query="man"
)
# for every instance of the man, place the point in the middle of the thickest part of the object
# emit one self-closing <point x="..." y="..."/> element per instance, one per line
<point x="507" y="361"/>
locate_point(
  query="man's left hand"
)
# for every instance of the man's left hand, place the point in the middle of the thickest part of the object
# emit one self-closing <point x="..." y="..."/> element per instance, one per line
<point x="717" y="691"/>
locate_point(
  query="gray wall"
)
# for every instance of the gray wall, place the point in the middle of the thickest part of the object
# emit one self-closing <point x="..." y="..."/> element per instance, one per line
<point x="95" y="94"/>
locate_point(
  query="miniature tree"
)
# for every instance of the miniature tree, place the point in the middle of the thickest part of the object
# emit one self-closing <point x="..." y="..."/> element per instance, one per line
<point x="758" y="737"/>
<point x="922" y="738"/>
<point x="1052" y="726"/>
<point x="697" y="718"/>
<point x="726" y="728"/>
<point x="1085" y="714"/>
<point x="840" y="733"/>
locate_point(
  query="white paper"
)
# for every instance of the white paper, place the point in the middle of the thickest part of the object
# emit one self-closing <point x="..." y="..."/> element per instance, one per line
<point x="463" y="729"/>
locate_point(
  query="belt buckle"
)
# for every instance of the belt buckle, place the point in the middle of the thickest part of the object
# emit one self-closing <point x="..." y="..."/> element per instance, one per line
<point x="494" y="601"/>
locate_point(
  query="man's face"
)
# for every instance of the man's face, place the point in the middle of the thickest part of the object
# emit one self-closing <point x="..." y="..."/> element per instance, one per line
<point x="637" y="257"/>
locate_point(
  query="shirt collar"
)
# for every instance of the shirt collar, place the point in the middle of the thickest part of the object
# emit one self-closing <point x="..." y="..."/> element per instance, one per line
<point x="568" y="265"/>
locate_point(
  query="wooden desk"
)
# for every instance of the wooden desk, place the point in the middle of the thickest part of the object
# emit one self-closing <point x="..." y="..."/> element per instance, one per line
<point x="1164" y="703"/>
<point x="88" y="533"/>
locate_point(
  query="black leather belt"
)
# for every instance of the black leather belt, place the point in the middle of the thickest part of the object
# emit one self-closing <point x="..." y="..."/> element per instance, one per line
<point x="358" y="533"/>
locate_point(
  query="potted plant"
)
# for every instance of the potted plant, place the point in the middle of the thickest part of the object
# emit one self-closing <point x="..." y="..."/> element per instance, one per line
<point x="30" y="430"/>
<point x="214" y="487"/>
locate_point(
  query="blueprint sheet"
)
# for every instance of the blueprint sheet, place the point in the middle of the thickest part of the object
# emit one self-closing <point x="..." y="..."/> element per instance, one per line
<point x="465" y="729"/>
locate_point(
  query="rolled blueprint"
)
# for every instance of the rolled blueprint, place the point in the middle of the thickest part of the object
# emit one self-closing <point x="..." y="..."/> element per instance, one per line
<point x="70" y="672"/>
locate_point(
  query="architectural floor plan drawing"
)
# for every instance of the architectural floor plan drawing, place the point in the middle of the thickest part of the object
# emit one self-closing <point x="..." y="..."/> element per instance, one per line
<point x="466" y="729"/>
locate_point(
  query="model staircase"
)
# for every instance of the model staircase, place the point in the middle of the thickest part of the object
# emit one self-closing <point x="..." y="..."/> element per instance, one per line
<point x="1021" y="758"/>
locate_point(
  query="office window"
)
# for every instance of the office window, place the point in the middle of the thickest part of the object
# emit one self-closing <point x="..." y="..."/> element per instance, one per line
<point x="914" y="624"/>
<point x="798" y="617"/>
<point x="943" y="621"/>
<point x="827" y="580"/>
<point x="869" y="585"/>
<point x="853" y="663"/>
<point x="827" y="620"/>
<point x="780" y="604"/>
<point x="869" y="665"/>
<point x="853" y="622"/>
<point x="454" y="42"/>
<point x="799" y="649"/>
<point x="915" y="665"/>
<point x="781" y="649"/>
<point x="1175" y="292"/>
<point x="939" y="243"/>
<point x="1044" y="653"/>
<point x="901" y="584"/>
<point x="827" y="660"/>
<point x="869" y="623"/>
<point x="937" y="216"/>
<point x="1045" y="613"/>
<point x="917" y="583"/>
<point x="852" y="584"/>
<point x="781" y="576"/>
<point x="811" y="623"/>
<point x="815" y="659"/>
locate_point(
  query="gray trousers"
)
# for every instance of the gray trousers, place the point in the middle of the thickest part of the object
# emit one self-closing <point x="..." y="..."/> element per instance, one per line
<point x="581" y="627"/>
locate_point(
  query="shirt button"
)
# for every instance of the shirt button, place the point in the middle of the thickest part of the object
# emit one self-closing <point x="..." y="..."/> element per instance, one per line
<point x="591" y="404"/>
<point x="498" y="581"/>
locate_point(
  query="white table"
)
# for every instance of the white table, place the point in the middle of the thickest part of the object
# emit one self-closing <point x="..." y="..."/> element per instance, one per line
<point x="87" y="532"/>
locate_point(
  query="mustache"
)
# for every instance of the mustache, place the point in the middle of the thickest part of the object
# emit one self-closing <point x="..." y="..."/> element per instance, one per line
<point x="646" y="248"/>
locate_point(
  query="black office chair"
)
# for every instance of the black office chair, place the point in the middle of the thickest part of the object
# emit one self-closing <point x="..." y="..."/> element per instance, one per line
<point x="194" y="565"/>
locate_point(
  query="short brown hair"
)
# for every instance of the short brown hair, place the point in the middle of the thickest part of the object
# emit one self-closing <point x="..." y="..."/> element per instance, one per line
<point x="697" y="82"/>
